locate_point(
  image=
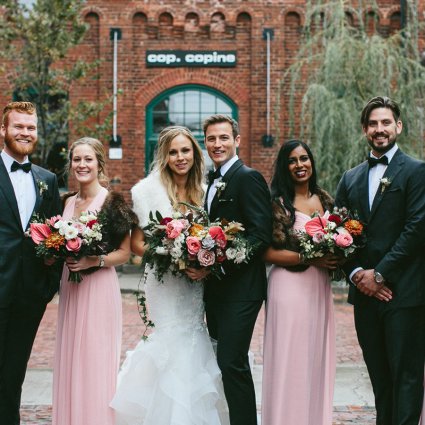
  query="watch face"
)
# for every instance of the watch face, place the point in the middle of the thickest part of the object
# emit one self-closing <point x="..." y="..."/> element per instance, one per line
<point x="378" y="278"/>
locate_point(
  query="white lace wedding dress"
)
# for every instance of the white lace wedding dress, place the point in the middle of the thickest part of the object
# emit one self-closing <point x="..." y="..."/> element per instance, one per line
<point x="173" y="377"/>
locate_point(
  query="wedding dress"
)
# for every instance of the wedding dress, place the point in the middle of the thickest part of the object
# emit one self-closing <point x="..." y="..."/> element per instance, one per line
<point x="172" y="378"/>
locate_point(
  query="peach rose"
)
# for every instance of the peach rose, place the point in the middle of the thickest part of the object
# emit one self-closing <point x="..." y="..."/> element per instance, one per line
<point x="74" y="245"/>
<point x="193" y="245"/>
<point x="206" y="258"/>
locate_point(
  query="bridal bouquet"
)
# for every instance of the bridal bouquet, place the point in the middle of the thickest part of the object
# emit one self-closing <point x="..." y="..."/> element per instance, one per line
<point x="190" y="240"/>
<point x="59" y="238"/>
<point x="339" y="233"/>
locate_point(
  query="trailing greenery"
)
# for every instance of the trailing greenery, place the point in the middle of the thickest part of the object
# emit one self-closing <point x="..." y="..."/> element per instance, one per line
<point x="37" y="42"/>
<point x="339" y="68"/>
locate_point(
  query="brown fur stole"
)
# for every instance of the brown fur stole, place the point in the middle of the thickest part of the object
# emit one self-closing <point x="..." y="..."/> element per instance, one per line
<point x="283" y="237"/>
<point x="120" y="218"/>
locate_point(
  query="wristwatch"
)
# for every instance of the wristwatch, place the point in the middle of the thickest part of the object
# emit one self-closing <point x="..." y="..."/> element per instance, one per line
<point x="378" y="277"/>
<point x="101" y="261"/>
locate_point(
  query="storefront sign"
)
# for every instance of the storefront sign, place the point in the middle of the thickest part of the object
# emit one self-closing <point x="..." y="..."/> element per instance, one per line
<point x="190" y="58"/>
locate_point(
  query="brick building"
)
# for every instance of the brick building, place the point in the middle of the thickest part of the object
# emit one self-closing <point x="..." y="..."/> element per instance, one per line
<point x="178" y="61"/>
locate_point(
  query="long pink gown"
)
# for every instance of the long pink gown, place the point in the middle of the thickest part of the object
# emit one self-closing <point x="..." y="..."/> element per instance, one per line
<point x="88" y="343"/>
<point x="299" y="346"/>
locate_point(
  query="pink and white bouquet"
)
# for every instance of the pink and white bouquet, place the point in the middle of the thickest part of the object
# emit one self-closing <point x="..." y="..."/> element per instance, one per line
<point x="339" y="233"/>
<point x="59" y="238"/>
<point x="190" y="240"/>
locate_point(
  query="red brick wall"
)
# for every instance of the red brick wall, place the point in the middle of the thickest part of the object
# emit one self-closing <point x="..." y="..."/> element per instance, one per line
<point x="199" y="25"/>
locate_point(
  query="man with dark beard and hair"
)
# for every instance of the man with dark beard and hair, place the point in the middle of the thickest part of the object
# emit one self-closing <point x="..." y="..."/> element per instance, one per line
<point x="387" y="276"/>
<point x="27" y="284"/>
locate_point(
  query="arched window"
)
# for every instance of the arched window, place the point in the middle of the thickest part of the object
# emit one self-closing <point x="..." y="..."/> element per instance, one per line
<point x="188" y="106"/>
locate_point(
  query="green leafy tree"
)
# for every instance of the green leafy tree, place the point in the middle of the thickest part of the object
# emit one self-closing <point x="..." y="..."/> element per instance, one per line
<point x="340" y="66"/>
<point x="37" y="42"/>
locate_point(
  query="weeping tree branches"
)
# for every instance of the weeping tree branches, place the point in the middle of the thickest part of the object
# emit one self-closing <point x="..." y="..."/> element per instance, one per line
<point x="343" y="63"/>
<point x="39" y="68"/>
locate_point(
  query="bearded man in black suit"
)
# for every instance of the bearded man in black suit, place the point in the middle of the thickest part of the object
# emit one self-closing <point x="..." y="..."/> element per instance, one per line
<point x="387" y="276"/>
<point x="26" y="283"/>
<point x="236" y="193"/>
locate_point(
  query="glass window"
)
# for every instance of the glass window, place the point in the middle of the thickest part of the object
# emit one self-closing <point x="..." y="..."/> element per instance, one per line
<point x="187" y="107"/>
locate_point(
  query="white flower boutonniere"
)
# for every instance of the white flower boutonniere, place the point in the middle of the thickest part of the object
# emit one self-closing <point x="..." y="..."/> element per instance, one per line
<point x="220" y="186"/>
<point x="385" y="182"/>
<point x="42" y="186"/>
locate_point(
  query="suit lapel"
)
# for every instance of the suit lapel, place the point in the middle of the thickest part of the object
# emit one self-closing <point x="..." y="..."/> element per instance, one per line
<point x="9" y="193"/>
<point x="226" y="179"/>
<point x="36" y="178"/>
<point x="363" y="189"/>
<point x="391" y="172"/>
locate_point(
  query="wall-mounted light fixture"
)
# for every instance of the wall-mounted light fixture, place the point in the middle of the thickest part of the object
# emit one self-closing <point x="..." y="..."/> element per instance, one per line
<point x="115" y="148"/>
<point x="268" y="35"/>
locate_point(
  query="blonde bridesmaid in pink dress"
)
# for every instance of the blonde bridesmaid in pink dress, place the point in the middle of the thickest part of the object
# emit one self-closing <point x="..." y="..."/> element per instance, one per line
<point x="88" y="340"/>
<point x="299" y="341"/>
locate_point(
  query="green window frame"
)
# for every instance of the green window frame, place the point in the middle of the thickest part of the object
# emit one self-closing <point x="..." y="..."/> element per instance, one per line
<point x="186" y="105"/>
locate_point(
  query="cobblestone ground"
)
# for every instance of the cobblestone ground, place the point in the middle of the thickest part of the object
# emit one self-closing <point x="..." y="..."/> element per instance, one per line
<point x="347" y="352"/>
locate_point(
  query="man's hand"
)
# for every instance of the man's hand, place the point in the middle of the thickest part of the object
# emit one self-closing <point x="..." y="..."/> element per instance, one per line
<point x="365" y="282"/>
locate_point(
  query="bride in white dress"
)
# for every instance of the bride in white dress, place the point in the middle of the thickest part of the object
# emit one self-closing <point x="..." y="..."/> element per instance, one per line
<point x="172" y="378"/>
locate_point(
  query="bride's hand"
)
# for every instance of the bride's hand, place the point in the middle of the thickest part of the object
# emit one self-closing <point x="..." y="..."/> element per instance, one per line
<point x="197" y="274"/>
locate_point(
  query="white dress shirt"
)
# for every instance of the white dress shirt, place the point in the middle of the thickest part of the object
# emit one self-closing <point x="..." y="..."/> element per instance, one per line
<point x="376" y="173"/>
<point x="23" y="185"/>
<point x="223" y="170"/>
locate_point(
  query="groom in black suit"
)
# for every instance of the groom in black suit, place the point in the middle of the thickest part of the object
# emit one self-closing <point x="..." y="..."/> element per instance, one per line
<point x="236" y="193"/>
<point x="387" y="277"/>
<point x="26" y="283"/>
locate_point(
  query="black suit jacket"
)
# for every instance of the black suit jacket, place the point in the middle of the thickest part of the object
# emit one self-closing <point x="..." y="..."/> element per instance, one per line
<point x="22" y="274"/>
<point x="245" y="199"/>
<point x="395" y="228"/>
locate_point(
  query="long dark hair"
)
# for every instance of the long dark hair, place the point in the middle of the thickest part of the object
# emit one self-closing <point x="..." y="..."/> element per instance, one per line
<point x="282" y="185"/>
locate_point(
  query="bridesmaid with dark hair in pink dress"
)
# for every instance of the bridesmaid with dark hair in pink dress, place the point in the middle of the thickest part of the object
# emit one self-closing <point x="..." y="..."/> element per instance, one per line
<point x="299" y="341"/>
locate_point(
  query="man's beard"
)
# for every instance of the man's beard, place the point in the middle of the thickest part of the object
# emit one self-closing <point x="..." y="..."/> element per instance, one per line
<point x="17" y="148"/>
<point x="382" y="149"/>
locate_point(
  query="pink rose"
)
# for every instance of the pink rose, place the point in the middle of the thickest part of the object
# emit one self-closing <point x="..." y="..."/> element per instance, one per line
<point x="74" y="245"/>
<point x="193" y="245"/>
<point x="343" y="240"/>
<point x="316" y="225"/>
<point x="216" y="232"/>
<point x="206" y="258"/>
<point x="39" y="232"/>
<point x="174" y="228"/>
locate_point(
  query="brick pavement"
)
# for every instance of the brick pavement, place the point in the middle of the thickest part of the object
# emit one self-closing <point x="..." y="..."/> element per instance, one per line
<point x="347" y="352"/>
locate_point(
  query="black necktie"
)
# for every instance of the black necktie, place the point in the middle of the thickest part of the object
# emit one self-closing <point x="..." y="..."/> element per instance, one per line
<point x="374" y="161"/>
<point x="212" y="175"/>
<point x="25" y="167"/>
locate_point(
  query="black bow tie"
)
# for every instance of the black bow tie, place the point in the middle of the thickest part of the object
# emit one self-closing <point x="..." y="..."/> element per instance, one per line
<point x="373" y="161"/>
<point x="212" y="175"/>
<point x="25" y="167"/>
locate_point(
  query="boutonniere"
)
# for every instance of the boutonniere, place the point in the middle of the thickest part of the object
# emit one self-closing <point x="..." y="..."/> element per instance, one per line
<point x="220" y="186"/>
<point x="42" y="187"/>
<point x="385" y="182"/>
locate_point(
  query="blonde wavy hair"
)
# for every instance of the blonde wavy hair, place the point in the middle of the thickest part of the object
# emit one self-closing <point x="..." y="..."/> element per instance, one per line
<point x="99" y="151"/>
<point x="194" y="190"/>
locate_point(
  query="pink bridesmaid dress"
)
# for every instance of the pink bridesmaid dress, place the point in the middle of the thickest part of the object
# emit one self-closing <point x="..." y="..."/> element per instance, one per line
<point x="299" y="346"/>
<point x="88" y="343"/>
